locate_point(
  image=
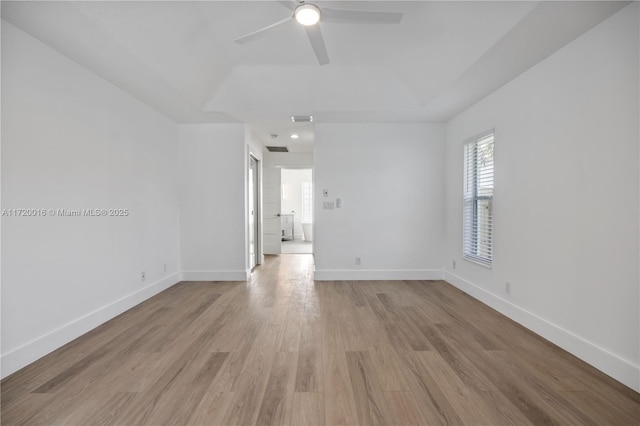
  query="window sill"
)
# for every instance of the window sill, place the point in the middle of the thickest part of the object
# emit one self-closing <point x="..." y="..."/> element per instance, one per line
<point x="478" y="261"/>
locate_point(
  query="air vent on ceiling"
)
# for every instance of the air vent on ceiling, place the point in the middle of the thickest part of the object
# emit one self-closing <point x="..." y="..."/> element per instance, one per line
<point x="277" y="149"/>
<point x="301" y="118"/>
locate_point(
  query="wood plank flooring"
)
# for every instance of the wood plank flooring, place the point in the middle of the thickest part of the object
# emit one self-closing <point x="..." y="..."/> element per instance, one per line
<point x="285" y="350"/>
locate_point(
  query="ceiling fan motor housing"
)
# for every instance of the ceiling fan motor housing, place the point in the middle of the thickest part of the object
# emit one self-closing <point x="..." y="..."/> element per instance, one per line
<point x="307" y="14"/>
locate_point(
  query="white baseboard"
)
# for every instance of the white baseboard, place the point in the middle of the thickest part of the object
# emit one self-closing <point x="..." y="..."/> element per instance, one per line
<point x="609" y="363"/>
<point x="376" y="274"/>
<point x="238" y="275"/>
<point x="24" y="355"/>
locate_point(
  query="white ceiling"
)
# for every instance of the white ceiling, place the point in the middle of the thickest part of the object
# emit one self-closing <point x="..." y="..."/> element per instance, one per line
<point x="180" y="58"/>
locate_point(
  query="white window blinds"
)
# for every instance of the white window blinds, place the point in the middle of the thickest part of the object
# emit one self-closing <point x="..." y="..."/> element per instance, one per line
<point x="478" y="200"/>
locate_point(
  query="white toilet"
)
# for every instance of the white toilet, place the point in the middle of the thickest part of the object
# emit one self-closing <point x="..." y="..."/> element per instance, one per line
<point x="307" y="231"/>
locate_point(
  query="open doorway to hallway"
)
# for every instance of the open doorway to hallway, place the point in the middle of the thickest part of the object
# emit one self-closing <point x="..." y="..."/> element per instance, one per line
<point x="296" y="211"/>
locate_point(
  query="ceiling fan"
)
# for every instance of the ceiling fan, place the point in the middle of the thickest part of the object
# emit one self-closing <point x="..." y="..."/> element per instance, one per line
<point x="310" y="15"/>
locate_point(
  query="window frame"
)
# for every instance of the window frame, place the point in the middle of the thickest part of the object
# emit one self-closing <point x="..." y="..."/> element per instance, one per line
<point x="473" y="249"/>
<point x="307" y="196"/>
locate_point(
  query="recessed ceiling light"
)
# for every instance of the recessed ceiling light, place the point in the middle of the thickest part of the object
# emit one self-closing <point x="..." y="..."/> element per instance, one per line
<point x="294" y="136"/>
<point x="307" y="14"/>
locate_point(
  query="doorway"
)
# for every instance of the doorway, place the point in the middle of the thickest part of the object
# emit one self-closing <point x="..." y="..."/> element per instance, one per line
<point x="296" y="211"/>
<point x="253" y="214"/>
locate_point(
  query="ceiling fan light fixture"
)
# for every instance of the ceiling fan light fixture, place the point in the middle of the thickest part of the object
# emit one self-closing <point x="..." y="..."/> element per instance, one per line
<point x="307" y="14"/>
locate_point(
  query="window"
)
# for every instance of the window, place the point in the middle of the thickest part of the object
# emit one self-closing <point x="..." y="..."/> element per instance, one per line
<point x="477" y="220"/>
<point x="307" y="202"/>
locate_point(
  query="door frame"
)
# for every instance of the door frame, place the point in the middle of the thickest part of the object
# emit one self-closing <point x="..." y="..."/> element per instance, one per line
<point x="313" y="200"/>
<point x="257" y="205"/>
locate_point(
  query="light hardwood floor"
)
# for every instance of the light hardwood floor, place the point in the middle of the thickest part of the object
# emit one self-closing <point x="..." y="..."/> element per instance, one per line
<point x="283" y="349"/>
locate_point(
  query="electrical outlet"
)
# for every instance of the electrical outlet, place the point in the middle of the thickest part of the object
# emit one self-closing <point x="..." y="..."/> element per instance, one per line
<point x="358" y="260"/>
<point x="328" y="205"/>
<point x="507" y="288"/>
<point x="142" y="276"/>
<point x="453" y="264"/>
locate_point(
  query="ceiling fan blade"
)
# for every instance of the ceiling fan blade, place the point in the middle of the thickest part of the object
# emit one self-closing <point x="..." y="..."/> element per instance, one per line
<point x="261" y="32"/>
<point x="317" y="42"/>
<point x="360" y="16"/>
<point x="289" y="4"/>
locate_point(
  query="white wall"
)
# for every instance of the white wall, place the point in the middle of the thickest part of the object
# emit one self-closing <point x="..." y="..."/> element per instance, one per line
<point x="391" y="180"/>
<point x="213" y="227"/>
<point x="292" y="180"/>
<point x="254" y="146"/>
<point x="566" y="198"/>
<point x="71" y="140"/>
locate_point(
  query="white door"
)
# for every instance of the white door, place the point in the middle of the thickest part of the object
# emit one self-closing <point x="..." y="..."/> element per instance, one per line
<point x="271" y="196"/>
